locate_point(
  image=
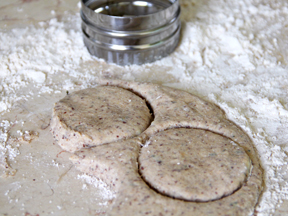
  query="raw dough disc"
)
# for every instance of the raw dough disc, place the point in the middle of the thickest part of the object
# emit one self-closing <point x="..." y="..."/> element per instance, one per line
<point x="193" y="164"/>
<point x="98" y="115"/>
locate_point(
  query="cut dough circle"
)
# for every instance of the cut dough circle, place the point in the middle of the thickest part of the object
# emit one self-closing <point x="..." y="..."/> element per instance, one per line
<point x="193" y="164"/>
<point x="98" y="115"/>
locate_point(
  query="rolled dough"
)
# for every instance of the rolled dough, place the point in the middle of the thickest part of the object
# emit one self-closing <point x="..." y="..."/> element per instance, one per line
<point x="116" y="162"/>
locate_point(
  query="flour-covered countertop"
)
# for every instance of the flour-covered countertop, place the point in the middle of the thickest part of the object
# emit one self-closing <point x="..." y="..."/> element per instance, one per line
<point x="232" y="53"/>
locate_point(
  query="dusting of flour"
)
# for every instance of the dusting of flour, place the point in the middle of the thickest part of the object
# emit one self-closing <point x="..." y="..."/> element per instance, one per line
<point x="234" y="53"/>
<point x="7" y="151"/>
<point x="106" y="193"/>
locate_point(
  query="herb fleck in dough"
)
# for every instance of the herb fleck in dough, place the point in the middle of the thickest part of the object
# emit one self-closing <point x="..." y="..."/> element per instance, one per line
<point x="179" y="112"/>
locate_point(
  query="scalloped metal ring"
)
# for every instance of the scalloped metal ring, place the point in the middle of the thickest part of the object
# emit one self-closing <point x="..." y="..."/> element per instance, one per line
<point x="130" y="32"/>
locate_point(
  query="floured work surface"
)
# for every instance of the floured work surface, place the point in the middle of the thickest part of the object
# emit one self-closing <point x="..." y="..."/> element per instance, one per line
<point x="231" y="183"/>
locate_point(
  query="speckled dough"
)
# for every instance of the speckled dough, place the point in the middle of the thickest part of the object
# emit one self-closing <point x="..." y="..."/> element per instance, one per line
<point x="98" y="115"/>
<point x="116" y="162"/>
<point x="193" y="164"/>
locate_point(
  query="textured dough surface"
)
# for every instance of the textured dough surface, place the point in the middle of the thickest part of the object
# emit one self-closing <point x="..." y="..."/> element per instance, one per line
<point x="116" y="163"/>
<point x="98" y="115"/>
<point x="193" y="164"/>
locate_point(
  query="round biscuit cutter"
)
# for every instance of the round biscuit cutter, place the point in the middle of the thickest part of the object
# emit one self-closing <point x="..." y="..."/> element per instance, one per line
<point x="129" y="32"/>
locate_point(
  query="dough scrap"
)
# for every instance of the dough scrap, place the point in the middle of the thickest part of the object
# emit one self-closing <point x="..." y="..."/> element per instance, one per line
<point x="98" y="115"/>
<point x="116" y="162"/>
<point x="193" y="164"/>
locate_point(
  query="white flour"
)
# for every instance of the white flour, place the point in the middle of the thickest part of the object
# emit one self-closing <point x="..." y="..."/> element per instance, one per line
<point x="7" y="151"/>
<point x="234" y="53"/>
<point x="9" y="146"/>
<point x="91" y="180"/>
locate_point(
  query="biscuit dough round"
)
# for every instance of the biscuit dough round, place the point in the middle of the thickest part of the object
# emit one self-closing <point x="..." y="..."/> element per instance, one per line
<point x="193" y="164"/>
<point x="98" y="115"/>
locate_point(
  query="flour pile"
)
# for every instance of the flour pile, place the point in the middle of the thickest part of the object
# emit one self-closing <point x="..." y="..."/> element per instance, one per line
<point x="234" y="53"/>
